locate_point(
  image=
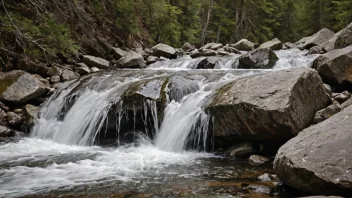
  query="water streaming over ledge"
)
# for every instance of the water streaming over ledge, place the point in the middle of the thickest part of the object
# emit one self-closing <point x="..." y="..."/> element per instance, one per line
<point x="147" y="151"/>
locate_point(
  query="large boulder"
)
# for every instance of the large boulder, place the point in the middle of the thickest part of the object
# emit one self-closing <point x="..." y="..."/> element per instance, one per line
<point x="258" y="59"/>
<point x="318" y="38"/>
<point x="19" y="87"/>
<point x="335" y="67"/>
<point x="274" y="44"/>
<point x="131" y="60"/>
<point x="243" y="45"/>
<point x="319" y="159"/>
<point x="164" y="50"/>
<point x="274" y="105"/>
<point x="97" y="62"/>
<point x="344" y="38"/>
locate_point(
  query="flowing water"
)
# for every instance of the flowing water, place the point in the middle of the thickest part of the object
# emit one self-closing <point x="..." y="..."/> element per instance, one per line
<point x="143" y="155"/>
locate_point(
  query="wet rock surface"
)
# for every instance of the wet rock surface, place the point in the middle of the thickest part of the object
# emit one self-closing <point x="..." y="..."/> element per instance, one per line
<point x="274" y="105"/>
<point x="319" y="156"/>
<point x="258" y="59"/>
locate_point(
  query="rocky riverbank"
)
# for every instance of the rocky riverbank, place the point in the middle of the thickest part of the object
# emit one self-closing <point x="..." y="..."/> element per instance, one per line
<point x="250" y="114"/>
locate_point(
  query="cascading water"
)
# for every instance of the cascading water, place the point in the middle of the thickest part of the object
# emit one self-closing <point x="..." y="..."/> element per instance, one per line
<point x="152" y="115"/>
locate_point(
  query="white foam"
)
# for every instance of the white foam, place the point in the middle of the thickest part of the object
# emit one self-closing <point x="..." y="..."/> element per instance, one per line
<point x="109" y="164"/>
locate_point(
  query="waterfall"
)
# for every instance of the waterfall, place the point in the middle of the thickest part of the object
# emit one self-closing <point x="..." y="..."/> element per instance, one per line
<point x="171" y="113"/>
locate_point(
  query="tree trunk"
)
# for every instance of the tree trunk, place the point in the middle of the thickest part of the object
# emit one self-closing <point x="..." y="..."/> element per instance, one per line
<point x="205" y="29"/>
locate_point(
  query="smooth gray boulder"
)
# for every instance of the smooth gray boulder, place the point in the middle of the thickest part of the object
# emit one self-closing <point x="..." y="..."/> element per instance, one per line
<point x="319" y="159"/>
<point x="68" y="75"/>
<point x="243" y="45"/>
<point x="208" y="63"/>
<point x="274" y="105"/>
<point x="335" y="67"/>
<point x="187" y="47"/>
<point x="131" y="60"/>
<point x="212" y="46"/>
<point x="93" y="61"/>
<point x="164" y="50"/>
<point x="6" y="132"/>
<point x="329" y="45"/>
<point x="118" y="52"/>
<point x="82" y="69"/>
<point x="18" y="87"/>
<point x="258" y="59"/>
<point x="274" y="44"/>
<point x="344" y="38"/>
<point x="318" y="38"/>
<point x="257" y="159"/>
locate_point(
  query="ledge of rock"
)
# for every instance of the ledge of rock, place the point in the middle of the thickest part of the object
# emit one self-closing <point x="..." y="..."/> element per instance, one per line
<point x="319" y="159"/>
<point x="275" y="105"/>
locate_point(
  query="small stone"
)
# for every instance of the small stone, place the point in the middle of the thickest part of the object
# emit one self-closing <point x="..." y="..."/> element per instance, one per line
<point x="343" y="97"/>
<point x="265" y="177"/>
<point x="54" y="70"/>
<point x="56" y="85"/>
<point x="163" y="59"/>
<point x="69" y="75"/>
<point x="55" y="79"/>
<point x="92" y="61"/>
<point x="260" y="189"/>
<point x="328" y="89"/>
<point x="327" y="112"/>
<point x="4" y="107"/>
<point x="257" y="159"/>
<point x="6" y="132"/>
<point x="82" y="70"/>
<point x="151" y="59"/>
<point x="14" y="119"/>
<point x="240" y="150"/>
<point x="18" y="111"/>
<point x="94" y="69"/>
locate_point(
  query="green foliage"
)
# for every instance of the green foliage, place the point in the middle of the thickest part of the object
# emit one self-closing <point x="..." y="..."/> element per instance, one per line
<point x="43" y="28"/>
<point x="39" y="40"/>
<point x="343" y="12"/>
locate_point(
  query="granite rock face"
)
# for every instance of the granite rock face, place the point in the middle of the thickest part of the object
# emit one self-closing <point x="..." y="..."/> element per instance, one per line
<point x="319" y="159"/>
<point x="274" y="105"/>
